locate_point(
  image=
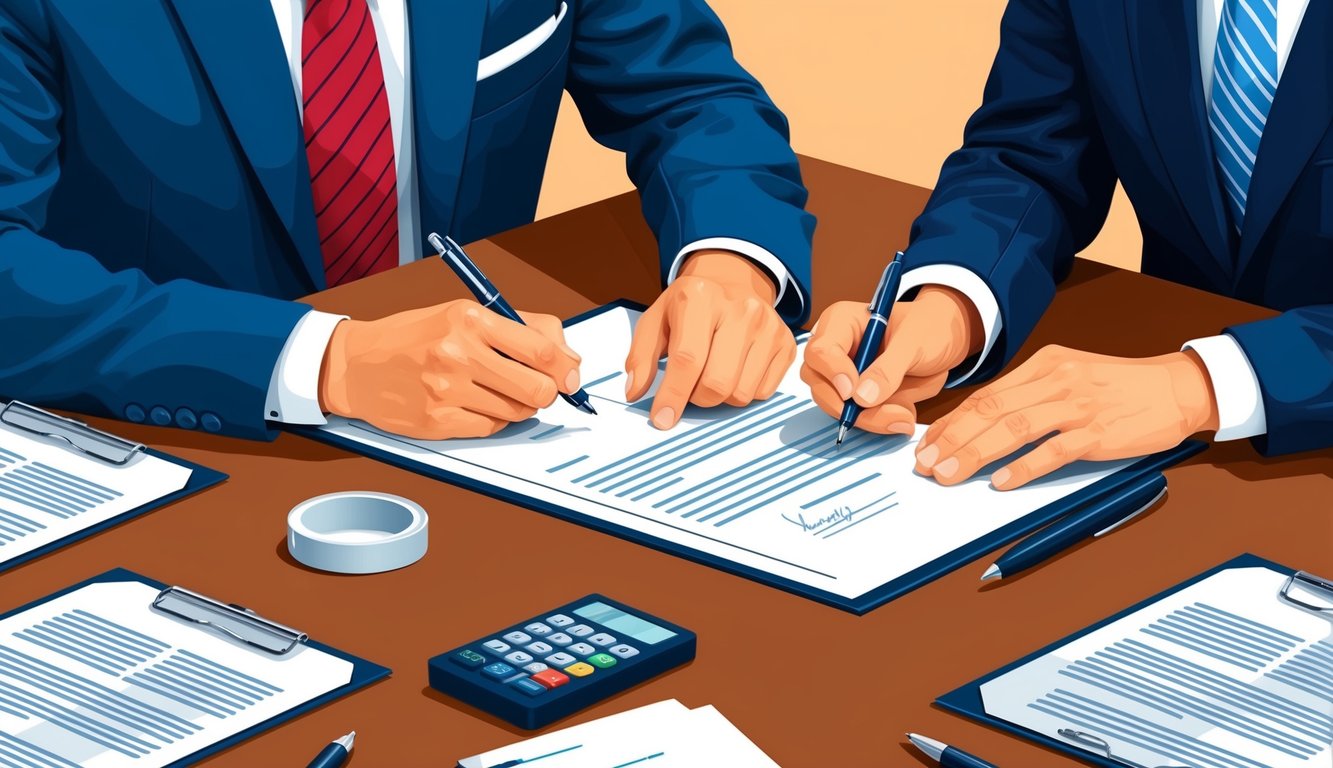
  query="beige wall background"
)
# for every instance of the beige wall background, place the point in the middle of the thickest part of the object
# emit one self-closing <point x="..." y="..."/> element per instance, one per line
<point x="884" y="86"/>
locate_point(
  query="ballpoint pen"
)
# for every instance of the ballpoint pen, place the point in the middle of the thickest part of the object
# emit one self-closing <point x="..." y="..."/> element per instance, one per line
<point x="1099" y="518"/>
<point x="489" y="296"/>
<point x="945" y="755"/>
<point x="880" y="307"/>
<point x="335" y="754"/>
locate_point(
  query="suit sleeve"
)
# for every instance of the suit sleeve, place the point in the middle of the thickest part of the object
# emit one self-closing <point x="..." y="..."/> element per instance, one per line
<point x="116" y="344"/>
<point x="705" y="145"/>
<point x="1032" y="183"/>
<point x="1292" y="356"/>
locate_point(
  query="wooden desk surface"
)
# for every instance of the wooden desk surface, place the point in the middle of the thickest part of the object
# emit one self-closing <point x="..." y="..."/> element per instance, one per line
<point x="810" y="684"/>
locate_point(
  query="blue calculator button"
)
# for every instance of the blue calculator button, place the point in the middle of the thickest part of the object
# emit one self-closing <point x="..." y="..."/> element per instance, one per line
<point x="559" y="620"/>
<point x="582" y="630"/>
<point x="581" y="649"/>
<point x="539" y="649"/>
<point x="529" y="686"/>
<point x="518" y="638"/>
<point x="560" y="660"/>
<point x="497" y="646"/>
<point x="469" y="659"/>
<point x="518" y="658"/>
<point x="602" y="640"/>
<point x="537" y="629"/>
<point x="623" y="651"/>
<point x="535" y="667"/>
<point x="559" y="639"/>
<point x="499" y="670"/>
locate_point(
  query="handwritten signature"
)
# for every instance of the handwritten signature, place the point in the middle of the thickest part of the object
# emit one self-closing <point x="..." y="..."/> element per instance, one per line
<point x="840" y="515"/>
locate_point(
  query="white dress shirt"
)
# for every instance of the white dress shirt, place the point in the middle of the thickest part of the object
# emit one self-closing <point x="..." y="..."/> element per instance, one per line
<point x="293" y="392"/>
<point x="1240" y="405"/>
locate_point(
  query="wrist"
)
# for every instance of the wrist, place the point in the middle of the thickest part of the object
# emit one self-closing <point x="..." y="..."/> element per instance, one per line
<point x="333" y="372"/>
<point x="732" y="269"/>
<point x="1193" y="390"/>
<point x="965" y="321"/>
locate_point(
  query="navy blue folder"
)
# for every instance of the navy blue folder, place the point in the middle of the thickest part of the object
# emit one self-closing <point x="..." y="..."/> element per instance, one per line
<point x="201" y="477"/>
<point x="861" y="604"/>
<point x="363" y="672"/>
<point x="966" y="700"/>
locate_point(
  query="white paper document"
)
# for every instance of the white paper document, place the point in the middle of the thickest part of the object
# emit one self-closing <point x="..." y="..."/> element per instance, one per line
<point x="663" y="735"/>
<point x="98" y="679"/>
<point x="48" y="491"/>
<point x="761" y="486"/>
<point x="1221" y="674"/>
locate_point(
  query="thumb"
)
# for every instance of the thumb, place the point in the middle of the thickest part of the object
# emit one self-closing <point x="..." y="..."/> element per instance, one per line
<point x="882" y="379"/>
<point x="645" y="350"/>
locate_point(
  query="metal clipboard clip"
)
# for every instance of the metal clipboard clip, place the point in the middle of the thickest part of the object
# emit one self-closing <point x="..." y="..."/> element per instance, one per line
<point x="1097" y="744"/>
<point x="79" y="436"/>
<point x="1301" y="582"/>
<point x="237" y="622"/>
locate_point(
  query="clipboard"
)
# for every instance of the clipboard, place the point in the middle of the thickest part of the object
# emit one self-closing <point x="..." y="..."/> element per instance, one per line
<point x="1117" y="483"/>
<point x="107" y="447"/>
<point x="364" y="672"/>
<point x="966" y="700"/>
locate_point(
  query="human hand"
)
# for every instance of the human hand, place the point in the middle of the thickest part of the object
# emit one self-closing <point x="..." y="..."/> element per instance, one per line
<point x="1100" y="408"/>
<point x="926" y="338"/>
<point x="438" y="372"/>
<point x="724" y="341"/>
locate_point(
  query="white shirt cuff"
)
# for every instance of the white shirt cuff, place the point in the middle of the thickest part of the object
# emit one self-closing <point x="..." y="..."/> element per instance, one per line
<point x="1240" y="404"/>
<point x="970" y="284"/>
<point x="767" y="261"/>
<point x="293" y="391"/>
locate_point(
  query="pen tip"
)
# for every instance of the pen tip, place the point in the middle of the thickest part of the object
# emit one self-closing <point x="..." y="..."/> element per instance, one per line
<point x="993" y="572"/>
<point x="842" y="433"/>
<point x="587" y="406"/>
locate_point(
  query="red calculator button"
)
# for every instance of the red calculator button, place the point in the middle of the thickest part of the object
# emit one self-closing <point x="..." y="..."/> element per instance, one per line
<point x="551" y="678"/>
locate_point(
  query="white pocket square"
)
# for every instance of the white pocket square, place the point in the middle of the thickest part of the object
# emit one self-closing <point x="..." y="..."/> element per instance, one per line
<point x="516" y="51"/>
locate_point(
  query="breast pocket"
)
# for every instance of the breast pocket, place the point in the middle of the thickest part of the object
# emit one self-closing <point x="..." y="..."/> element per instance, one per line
<point x="516" y="68"/>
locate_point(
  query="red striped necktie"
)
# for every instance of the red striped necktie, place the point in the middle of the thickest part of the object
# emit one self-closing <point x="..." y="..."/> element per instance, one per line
<point x="348" y="140"/>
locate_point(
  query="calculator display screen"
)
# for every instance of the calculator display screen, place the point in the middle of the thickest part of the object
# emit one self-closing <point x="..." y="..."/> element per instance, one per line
<point x="625" y="624"/>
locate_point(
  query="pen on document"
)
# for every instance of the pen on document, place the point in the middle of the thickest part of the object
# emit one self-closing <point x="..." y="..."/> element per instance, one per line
<point x="489" y="296"/>
<point x="1100" y="517"/>
<point x="945" y="755"/>
<point x="880" y="307"/>
<point x="335" y="754"/>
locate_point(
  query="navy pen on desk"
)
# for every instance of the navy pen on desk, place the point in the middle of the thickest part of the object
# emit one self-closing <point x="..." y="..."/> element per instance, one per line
<point x="880" y="307"/>
<point x="489" y="296"/>
<point x="945" y="755"/>
<point x="335" y="754"/>
<point x="1097" y="519"/>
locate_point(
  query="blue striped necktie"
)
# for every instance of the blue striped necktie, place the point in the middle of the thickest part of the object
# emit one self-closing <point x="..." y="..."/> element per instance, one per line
<point x="1244" y="83"/>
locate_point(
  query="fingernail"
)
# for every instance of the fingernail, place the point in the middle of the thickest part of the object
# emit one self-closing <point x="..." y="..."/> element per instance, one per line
<point x="1000" y="476"/>
<point x="868" y="391"/>
<point x="629" y="384"/>
<point x="928" y="456"/>
<point x="664" y="419"/>
<point x="902" y="427"/>
<point x="946" y="468"/>
<point x="843" y="383"/>
<point x="572" y="381"/>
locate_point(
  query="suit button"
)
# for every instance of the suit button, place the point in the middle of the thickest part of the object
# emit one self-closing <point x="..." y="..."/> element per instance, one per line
<point x="211" y="422"/>
<point x="134" y="412"/>
<point x="160" y="416"/>
<point x="186" y="418"/>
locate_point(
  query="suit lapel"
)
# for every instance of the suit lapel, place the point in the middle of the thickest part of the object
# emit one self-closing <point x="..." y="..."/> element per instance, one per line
<point x="446" y="46"/>
<point x="1298" y="119"/>
<point x="1164" y="38"/>
<point x="238" y="46"/>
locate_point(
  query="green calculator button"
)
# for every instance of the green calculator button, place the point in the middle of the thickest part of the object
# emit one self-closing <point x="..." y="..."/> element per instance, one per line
<point x="602" y="660"/>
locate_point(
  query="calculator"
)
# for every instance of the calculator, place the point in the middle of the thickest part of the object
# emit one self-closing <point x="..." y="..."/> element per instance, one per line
<point x="563" y="660"/>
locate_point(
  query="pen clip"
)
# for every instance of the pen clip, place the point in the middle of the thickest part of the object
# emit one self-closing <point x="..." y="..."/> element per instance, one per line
<point x="1092" y="742"/>
<point x="1310" y="583"/>
<point x="877" y="301"/>
<point x="80" y="437"/>
<point x="234" y="621"/>
<point x="1151" y="503"/>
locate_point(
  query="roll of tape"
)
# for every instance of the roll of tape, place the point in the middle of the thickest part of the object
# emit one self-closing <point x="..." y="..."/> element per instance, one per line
<point x="357" y="532"/>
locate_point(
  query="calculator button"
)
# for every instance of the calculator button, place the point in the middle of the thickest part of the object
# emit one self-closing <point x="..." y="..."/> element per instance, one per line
<point x="537" y="629"/>
<point x="518" y="658"/>
<point x="602" y="640"/>
<point x="559" y="639"/>
<point x="551" y="678"/>
<point x="518" y="638"/>
<point x="539" y="649"/>
<point x="497" y="646"/>
<point x="535" y="667"/>
<point x="499" y="670"/>
<point x="580" y="670"/>
<point x="560" y="659"/>
<point x="581" y="649"/>
<point x="623" y="651"/>
<point x="469" y="659"/>
<point x="582" y="630"/>
<point x="528" y="686"/>
<point x="602" y="660"/>
<point x="559" y="620"/>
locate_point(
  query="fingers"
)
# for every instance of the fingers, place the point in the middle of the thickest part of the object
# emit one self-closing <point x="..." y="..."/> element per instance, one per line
<point x="777" y="368"/>
<point x="981" y="411"/>
<point x="508" y="378"/>
<point x="1064" y="448"/>
<point x="530" y="347"/>
<point x="451" y="421"/>
<point x="550" y="327"/>
<point x="828" y="352"/>
<point x="1009" y="434"/>
<point x="484" y="401"/>
<point x="730" y="346"/>
<point x="645" y="350"/>
<point x="687" y="352"/>
<point x="881" y="380"/>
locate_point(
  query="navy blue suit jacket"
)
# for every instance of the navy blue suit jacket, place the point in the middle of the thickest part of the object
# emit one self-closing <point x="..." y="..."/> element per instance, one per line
<point x="1083" y="94"/>
<point x="155" y="207"/>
